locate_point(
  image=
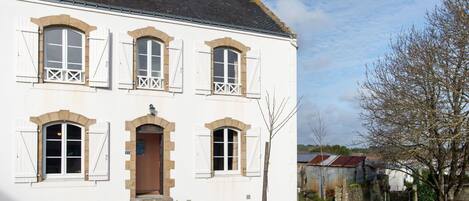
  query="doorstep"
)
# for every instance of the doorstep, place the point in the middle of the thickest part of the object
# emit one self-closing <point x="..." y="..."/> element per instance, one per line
<point x="153" y="198"/>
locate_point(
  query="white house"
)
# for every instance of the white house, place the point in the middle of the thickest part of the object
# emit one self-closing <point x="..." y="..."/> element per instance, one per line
<point x="397" y="179"/>
<point x="129" y="99"/>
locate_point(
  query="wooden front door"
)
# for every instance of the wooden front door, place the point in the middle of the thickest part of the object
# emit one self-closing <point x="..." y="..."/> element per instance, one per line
<point x="149" y="162"/>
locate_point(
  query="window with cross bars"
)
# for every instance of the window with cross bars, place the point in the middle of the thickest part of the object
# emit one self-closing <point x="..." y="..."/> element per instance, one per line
<point x="63" y="55"/>
<point x="149" y="63"/>
<point x="63" y="150"/>
<point x="226" y="71"/>
<point x="226" y="151"/>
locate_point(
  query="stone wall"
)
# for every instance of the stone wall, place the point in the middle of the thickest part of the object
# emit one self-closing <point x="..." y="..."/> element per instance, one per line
<point x="359" y="192"/>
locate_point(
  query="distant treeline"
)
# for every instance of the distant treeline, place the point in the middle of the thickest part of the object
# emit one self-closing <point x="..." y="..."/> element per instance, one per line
<point x="331" y="149"/>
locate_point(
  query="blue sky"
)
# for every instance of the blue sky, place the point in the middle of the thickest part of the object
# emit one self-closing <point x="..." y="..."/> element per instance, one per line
<point x="337" y="38"/>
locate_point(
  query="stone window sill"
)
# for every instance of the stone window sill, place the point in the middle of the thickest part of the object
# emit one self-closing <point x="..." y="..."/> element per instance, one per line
<point x="63" y="183"/>
<point x="63" y="87"/>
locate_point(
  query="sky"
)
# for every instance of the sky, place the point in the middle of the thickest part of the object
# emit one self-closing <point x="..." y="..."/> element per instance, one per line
<point x="337" y="39"/>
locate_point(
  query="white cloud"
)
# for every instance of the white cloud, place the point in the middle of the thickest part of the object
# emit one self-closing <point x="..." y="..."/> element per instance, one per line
<point x="336" y="39"/>
<point x="301" y="17"/>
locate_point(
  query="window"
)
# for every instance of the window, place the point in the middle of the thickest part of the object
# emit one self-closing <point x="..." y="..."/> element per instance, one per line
<point x="64" y="55"/>
<point x="226" y="150"/>
<point x="149" y="64"/>
<point x="225" y="71"/>
<point x="63" y="150"/>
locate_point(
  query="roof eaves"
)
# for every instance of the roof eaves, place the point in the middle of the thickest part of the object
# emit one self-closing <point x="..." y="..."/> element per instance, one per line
<point x="274" y="17"/>
<point x="166" y="16"/>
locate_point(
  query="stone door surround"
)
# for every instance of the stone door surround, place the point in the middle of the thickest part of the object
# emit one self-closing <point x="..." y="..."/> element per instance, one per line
<point x="168" y="146"/>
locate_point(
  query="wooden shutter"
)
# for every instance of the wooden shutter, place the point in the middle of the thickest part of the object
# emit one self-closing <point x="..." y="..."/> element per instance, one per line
<point x="125" y="53"/>
<point x="98" y="152"/>
<point x="253" y="153"/>
<point x="203" y="66"/>
<point x="27" y="34"/>
<point x="203" y="154"/>
<point x="26" y="134"/>
<point x="253" y="74"/>
<point x="176" y="66"/>
<point x="99" y="58"/>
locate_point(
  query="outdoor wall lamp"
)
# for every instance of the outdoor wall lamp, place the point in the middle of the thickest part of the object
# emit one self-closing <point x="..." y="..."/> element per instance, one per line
<point x="152" y="110"/>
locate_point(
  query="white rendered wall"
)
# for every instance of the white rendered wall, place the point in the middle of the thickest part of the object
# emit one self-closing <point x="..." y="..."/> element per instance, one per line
<point x="187" y="110"/>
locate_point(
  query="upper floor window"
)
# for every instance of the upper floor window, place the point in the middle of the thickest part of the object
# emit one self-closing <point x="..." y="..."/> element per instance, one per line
<point x="63" y="150"/>
<point x="64" y="55"/>
<point x="149" y="63"/>
<point x="226" y="71"/>
<point x="226" y="150"/>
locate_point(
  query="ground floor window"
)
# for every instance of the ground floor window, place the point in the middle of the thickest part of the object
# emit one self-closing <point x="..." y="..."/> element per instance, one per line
<point x="226" y="150"/>
<point x="63" y="147"/>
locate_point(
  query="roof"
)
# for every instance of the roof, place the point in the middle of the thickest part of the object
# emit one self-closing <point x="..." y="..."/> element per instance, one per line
<point x="250" y="15"/>
<point x="337" y="161"/>
<point x="348" y="161"/>
<point x="305" y="157"/>
<point x="318" y="159"/>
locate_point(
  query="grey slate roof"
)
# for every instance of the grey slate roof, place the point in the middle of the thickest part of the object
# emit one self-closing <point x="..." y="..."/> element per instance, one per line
<point x="237" y="14"/>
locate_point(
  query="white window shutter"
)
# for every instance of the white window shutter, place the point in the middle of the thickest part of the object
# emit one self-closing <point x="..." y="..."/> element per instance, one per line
<point x="253" y="153"/>
<point x="203" y="66"/>
<point x="26" y="134"/>
<point x="98" y="152"/>
<point x="27" y="34"/>
<point x="203" y="158"/>
<point x="253" y="74"/>
<point x="99" y="58"/>
<point x="176" y="65"/>
<point x="125" y="54"/>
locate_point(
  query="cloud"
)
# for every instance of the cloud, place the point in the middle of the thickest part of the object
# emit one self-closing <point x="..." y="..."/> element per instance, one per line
<point x="345" y="33"/>
<point x="350" y="97"/>
<point x="337" y="38"/>
<point x="342" y="125"/>
<point x="303" y="19"/>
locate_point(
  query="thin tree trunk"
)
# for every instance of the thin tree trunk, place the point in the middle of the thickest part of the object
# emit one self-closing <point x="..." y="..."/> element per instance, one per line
<point x="266" y="171"/>
<point x="440" y="195"/>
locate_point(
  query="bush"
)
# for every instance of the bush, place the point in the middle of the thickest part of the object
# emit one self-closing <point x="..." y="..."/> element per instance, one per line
<point x="425" y="192"/>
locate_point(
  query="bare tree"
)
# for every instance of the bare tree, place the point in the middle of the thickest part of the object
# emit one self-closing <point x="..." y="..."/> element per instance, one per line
<point x="275" y="115"/>
<point x="416" y="101"/>
<point x="319" y="132"/>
